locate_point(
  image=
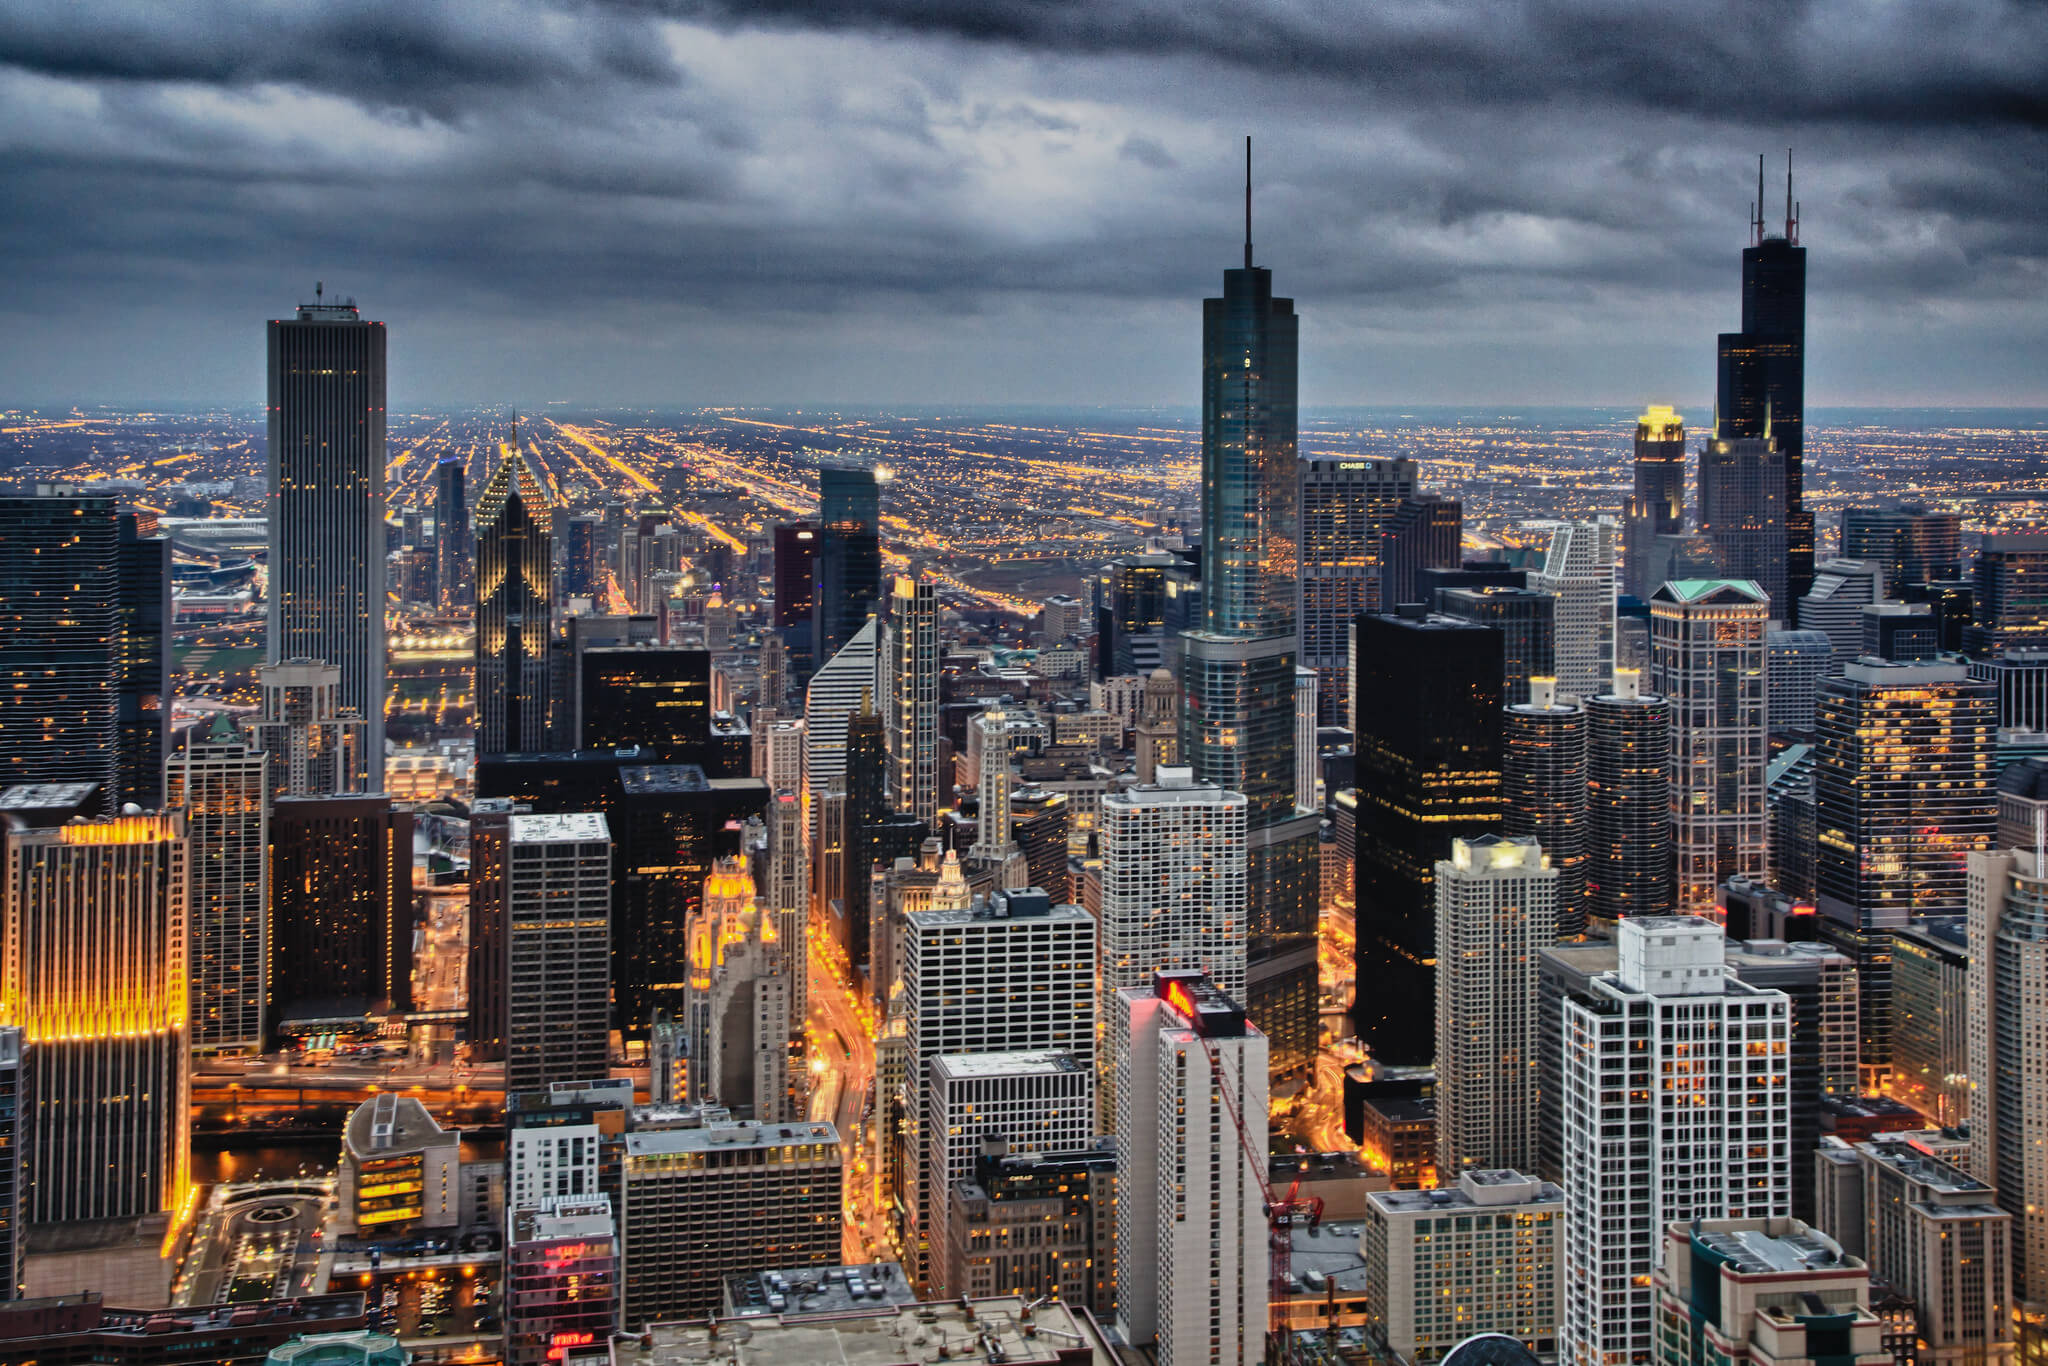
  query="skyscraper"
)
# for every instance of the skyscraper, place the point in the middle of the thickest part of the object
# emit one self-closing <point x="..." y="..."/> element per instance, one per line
<point x="1191" y="1242"/>
<point x="796" y="596"/>
<point x="1579" y="572"/>
<point x="848" y="567"/>
<point x="93" y="974"/>
<point x="1795" y="662"/>
<point x="327" y="566"/>
<point x="60" y="643"/>
<point x="910" y="696"/>
<point x="1841" y="590"/>
<point x="1527" y="622"/>
<point x="143" y="683"/>
<point x="1543" y="797"/>
<point x="1742" y="511"/>
<point x="1707" y="639"/>
<point x="1173" y="898"/>
<point x="452" y="556"/>
<point x="1238" y="669"/>
<point x="1656" y="506"/>
<point x="515" y="609"/>
<point x="1914" y="543"/>
<point x="736" y="1013"/>
<point x="1628" y="801"/>
<point x="1712" y="1145"/>
<point x="2008" y="1067"/>
<point x="1428" y="697"/>
<point x="1427" y="532"/>
<point x="1346" y="506"/>
<point x="2011" y="607"/>
<point x="307" y="736"/>
<point x="1496" y="906"/>
<point x="219" y="781"/>
<point x="1905" y="790"/>
<point x="340" y="905"/>
<point x="558" y="893"/>
<point x="1761" y="385"/>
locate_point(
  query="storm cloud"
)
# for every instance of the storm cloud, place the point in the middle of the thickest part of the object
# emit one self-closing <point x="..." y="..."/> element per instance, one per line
<point x="1015" y="200"/>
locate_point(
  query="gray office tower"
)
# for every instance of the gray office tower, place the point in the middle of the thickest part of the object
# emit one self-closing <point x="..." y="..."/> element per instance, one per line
<point x="451" y="533"/>
<point x="1346" y="506"/>
<point x="1237" y="730"/>
<point x="1914" y="544"/>
<point x="1761" y="380"/>
<point x="327" y="506"/>
<point x="1742" y="511"/>
<point x="514" y="609"/>
<point x="1656" y="505"/>
<point x="848" y="568"/>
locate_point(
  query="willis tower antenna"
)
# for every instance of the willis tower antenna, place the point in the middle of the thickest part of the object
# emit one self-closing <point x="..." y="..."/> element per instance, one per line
<point x="1248" y="200"/>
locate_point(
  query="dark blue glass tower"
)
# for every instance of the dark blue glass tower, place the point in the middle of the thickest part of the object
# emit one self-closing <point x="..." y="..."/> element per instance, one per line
<point x="1238" y="667"/>
<point x="848" y="567"/>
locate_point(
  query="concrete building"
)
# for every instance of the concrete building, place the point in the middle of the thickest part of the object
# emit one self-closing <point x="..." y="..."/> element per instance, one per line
<point x="1794" y="664"/>
<point x="309" y="736"/>
<point x="1043" y="1102"/>
<point x="1496" y="907"/>
<point x="1656" y="506"/>
<point x="908" y="666"/>
<point x="1484" y="1255"/>
<point x="558" y="887"/>
<point x="561" y="1279"/>
<point x="1712" y="1146"/>
<point x="697" y="1204"/>
<point x="737" y="1020"/>
<point x="92" y="974"/>
<point x="2008" y="1014"/>
<point x="399" y="1171"/>
<point x="1580" y="567"/>
<point x="1707" y="641"/>
<point x="1842" y="588"/>
<point x="1191" y="1251"/>
<point x="219" y="781"/>
<point x="1034" y="1224"/>
<point x="1763" y="1291"/>
<point x="1023" y="1332"/>
<point x="1172" y="897"/>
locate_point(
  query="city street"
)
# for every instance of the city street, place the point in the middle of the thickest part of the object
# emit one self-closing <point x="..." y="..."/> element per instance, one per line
<point x="843" y="1069"/>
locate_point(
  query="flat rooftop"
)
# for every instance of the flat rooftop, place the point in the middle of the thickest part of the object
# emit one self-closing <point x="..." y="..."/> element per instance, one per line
<point x="817" y="1290"/>
<point x="1046" y="1064"/>
<point x="581" y="827"/>
<point x="392" y="1124"/>
<point x="660" y="1142"/>
<point x="997" y="1329"/>
<point x="1752" y="1252"/>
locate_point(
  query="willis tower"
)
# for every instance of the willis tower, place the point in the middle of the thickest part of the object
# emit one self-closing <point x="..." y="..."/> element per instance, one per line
<point x="1239" y="671"/>
<point x="1761" y="389"/>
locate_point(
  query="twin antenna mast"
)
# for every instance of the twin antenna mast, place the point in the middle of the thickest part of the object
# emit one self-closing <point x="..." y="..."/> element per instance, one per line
<point x="1756" y="207"/>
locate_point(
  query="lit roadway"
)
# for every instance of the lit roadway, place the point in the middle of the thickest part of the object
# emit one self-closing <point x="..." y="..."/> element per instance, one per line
<point x="842" y="1050"/>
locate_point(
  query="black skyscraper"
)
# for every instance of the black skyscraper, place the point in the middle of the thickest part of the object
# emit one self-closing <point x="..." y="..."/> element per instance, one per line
<point x="796" y="597"/>
<point x="1762" y="379"/>
<point x="451" y="533"/>
<point x="848" y="570"/>
<point x="1429" y="770"/>
<point x="145" y="679"/>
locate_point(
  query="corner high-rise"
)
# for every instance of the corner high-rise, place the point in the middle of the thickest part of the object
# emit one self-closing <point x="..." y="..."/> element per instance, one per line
<point x="515" y="609"/>
<point x="327" y="496"/>
<point x="1707" y="644"/>
<point x="1760" y="392"/>
<point x="93" y="973"/>
<point x="1238" y="667"/>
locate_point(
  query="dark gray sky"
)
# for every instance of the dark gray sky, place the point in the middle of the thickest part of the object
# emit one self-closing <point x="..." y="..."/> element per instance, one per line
<point x="982" y="201"/>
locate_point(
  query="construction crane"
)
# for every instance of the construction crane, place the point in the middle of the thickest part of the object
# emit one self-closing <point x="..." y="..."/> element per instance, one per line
<point x="1283" y="1214"/>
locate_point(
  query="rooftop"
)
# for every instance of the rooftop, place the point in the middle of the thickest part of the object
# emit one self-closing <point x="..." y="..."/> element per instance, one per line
<point x="582" y="827"/>
<point x="1755" y="1252"/>
<point x="660" y="1142"/>
<point x="964" y="1065"/>
<point x="1496" y="1189"/>
<point x="395" y="1124"/>
<point x="816" y="1290"/>
<point x="1005" y="1329"/>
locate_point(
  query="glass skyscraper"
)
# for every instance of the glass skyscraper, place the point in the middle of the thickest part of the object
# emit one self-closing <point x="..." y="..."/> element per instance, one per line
<point x="327" y="493"/>
<point x="514" y="609"/>
<point x="1238" y="671"/>
<point x="848" y="568"/>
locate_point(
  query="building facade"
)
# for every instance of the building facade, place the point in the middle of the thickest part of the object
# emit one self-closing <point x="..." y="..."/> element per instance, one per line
<point x="515" y="609"/>
<point x="558" y="938"/>
<point x="1628" y="801"/>
<point x="1579" y="571"/>
<point x="1543" y="794"/>
<point x="220" y="784"/>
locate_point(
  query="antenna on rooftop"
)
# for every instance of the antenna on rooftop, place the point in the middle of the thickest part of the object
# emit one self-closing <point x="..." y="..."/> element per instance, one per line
<point x="1791" y="205"/>
<point x="1756" y="216"/>
<point x="1247" y="201"/>
<point x="319" y="288"/>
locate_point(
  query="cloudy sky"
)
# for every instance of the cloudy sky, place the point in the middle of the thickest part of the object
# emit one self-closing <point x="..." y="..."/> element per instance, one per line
<point x="987" y="201"/>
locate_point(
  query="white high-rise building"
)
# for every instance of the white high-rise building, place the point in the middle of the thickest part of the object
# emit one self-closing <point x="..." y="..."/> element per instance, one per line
<point x="309" y="737"/>
<point x="736" y="1002"/>
<point x="993" y="782"/>
<point x="1305" y="755"/>
<point x="2008" y="1018"/>
<point x="1675" y="1101"/>
<point x="1496" y="907"/>
<point x="558" y="949"/>
<point x="1012" y="974"/>
<point x="1173" y="897"/>
<point x="910" y="696"/>
<point x="219" y="782"/>
<point x="1579" y="570"/>
<point x="1707" y="653"/>
<point x="1191" y="1239"/>
<point x="837" y="691"/>
<point x="1039" y="1102"/>
<point x="1834" y="605"/>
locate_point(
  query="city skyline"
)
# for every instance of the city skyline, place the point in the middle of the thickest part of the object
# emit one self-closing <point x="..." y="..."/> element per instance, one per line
<point x="606" y="206"/>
